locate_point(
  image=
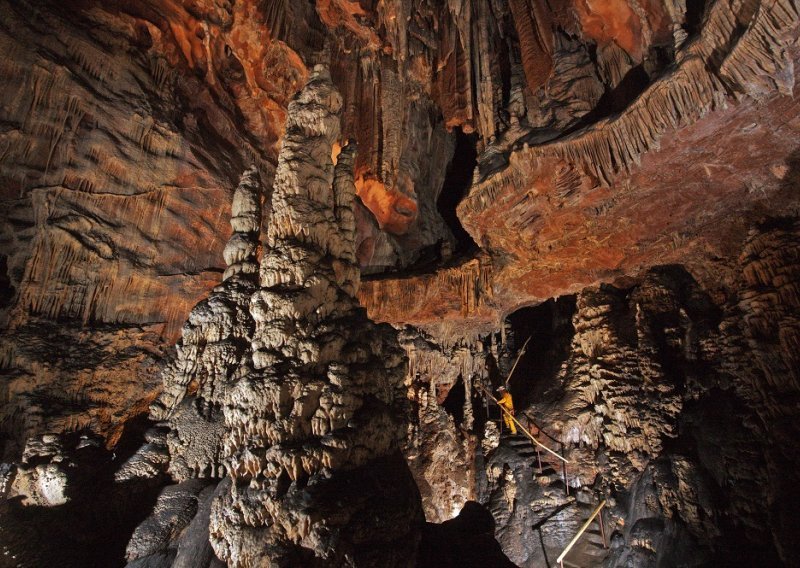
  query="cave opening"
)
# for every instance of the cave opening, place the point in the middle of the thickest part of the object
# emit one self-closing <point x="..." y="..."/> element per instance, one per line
<point x="457" y="182"/>
<point x="454" y="402"/>
<point x="695" y="11"/>
<point x="549" y="327"/>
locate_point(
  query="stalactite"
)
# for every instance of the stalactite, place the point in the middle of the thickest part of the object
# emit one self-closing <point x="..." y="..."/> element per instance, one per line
<point x="469" y="282"/>
<point x="533" y="24"/>
<point x="616" y="145"/>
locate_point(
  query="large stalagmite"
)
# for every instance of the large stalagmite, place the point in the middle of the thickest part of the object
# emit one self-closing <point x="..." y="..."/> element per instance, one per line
<point x="215" y="348"/>
<point x="312" y="433"/>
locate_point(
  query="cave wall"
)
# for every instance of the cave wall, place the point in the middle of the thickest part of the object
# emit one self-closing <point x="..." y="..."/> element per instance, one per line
<point x="658" y="405"/>
<point x="127" y="125"/>
<point x="610" y="138"/>
<point x="672" y="396"/>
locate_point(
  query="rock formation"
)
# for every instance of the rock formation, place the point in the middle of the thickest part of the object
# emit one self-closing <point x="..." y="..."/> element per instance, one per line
<point x="215" y="349"/>
<point x="313" y="432"/>
<point x="282" y="382"/>
<point x="611" y="184"/>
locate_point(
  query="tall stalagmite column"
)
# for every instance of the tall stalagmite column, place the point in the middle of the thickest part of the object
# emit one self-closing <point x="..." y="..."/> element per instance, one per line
<point x="313" y="432"/>
<point x="214" y="349"/>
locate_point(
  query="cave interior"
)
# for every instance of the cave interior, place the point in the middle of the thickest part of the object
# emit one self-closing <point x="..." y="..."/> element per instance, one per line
<point x="265" y="266"/>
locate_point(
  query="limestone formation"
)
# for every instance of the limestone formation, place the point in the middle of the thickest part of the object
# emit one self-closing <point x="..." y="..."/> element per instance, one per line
<point x="215" y="348"/>
<point x="443" y="382"/>
<point x="41" y="477"/>
<point x="313" y="432"/>
<point x="214" y="351"/>
<point x="612" y="183"/>
<point x="644" y="366"/>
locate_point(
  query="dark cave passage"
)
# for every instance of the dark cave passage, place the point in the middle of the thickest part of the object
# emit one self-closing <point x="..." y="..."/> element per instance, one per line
<point x="456" y="184"/>
<point x="549" y="327"/>
<point x="454" y="403"/>
<point x="695" y="11"/>
<point x="221" y="349"/>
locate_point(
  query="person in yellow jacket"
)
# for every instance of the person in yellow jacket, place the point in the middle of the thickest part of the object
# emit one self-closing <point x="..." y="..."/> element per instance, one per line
<point x="507" y="402"/>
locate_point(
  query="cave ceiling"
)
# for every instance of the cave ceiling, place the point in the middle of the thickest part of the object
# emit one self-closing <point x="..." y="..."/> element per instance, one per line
<point x="593" y="124"/>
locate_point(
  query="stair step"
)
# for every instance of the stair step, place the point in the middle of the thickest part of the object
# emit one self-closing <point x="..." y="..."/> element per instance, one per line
<point x="598" y="546"/>
<point x="588" y="561"/>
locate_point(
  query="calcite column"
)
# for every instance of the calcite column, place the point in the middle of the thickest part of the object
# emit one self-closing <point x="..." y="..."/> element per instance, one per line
<point x="313" y="432"/>
<point x="214" y="349"/>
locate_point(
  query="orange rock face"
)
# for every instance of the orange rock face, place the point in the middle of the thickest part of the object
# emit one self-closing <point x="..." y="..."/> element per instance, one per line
<point x="678" y="176"/>
<point x="607" y="21"/>
<point x="508" y="152"/>
<point x="394" y="211"/>
<point x="127" y="124"/>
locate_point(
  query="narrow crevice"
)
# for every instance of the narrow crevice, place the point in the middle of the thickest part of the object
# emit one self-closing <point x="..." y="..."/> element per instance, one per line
<point x="454" y="403"/>
<point x="6" y="289"/>
<point x="695" y="13"/>
<point x="457" y="182"/>
<point x="456" y="185"/>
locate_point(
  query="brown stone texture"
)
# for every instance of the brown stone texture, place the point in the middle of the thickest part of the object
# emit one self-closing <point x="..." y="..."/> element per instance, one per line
<point x="616" y="179"/>
<point x="654" y="405"/>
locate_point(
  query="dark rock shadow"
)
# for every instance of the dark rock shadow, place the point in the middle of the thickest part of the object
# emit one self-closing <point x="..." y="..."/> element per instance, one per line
<point x="465" y="541"/>
<point x="92" y="529"/>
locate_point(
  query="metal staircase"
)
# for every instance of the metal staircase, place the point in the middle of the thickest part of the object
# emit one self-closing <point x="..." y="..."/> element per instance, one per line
<point x="588" y="548"/>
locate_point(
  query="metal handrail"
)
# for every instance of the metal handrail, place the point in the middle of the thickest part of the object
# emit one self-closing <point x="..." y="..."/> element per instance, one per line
<point x="521" y="427"/>
<point x="582" y="530"/>
<point x="521" y="353"/>
<point x="542" y="430"/>
<point x="539" y="457"/>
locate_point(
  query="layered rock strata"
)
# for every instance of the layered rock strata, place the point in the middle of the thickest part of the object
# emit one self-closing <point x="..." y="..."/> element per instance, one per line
<point x="614" y="136"/>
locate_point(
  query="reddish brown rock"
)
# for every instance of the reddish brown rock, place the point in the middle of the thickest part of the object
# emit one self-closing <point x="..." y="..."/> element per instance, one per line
<point x="612" y="137"/>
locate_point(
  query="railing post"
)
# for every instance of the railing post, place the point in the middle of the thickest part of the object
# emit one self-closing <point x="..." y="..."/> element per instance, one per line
<point x="584" y="526"/>
<point x="539" y="457"/>
<point x="564" y="472"/>
<point x="602" y="529"/>
<point x="524" y="430"/>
